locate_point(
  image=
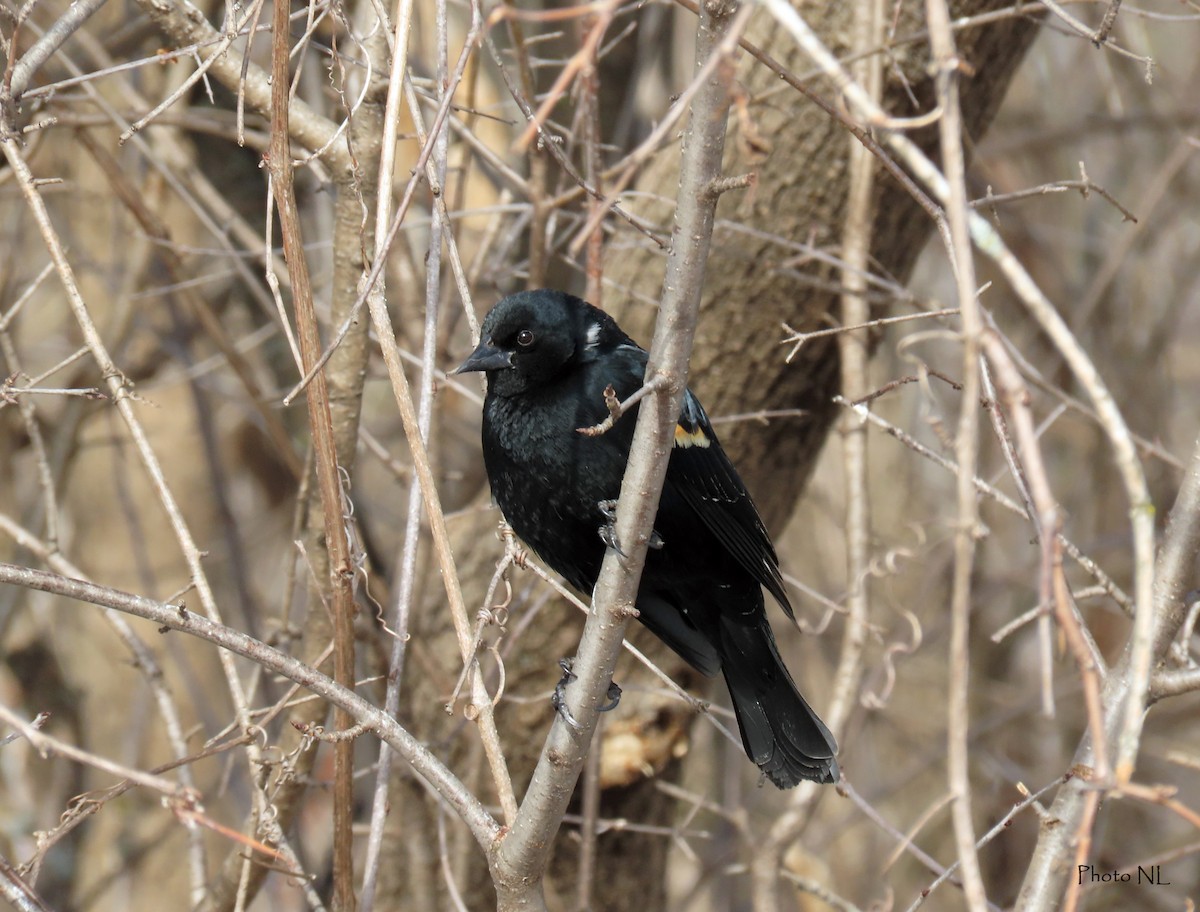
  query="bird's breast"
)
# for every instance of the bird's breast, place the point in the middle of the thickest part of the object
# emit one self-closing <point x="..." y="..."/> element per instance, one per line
<point x="537" y="460"/>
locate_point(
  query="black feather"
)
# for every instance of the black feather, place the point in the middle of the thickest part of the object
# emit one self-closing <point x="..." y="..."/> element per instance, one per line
<point x="549" y="358"/>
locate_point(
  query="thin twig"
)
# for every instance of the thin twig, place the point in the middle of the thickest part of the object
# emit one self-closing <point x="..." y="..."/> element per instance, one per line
<point x="1030" y="799"/>
<point x="1083" y="186"/>
<point x="797" y="338"/>
<point x="616" y="409"/>
<point x="48" y="745"/>
<point x="1099" y="37"/>
<point x="966" y="447"/>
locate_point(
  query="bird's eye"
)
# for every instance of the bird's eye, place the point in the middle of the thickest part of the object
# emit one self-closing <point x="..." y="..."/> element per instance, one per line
<point x="525" y="338"/>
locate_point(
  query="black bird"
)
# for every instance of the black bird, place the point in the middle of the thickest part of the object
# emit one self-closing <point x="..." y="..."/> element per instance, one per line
<point x="549" y="357"/>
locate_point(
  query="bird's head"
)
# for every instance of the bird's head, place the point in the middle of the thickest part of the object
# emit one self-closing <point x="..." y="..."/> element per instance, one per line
<point x="530" y="338"/>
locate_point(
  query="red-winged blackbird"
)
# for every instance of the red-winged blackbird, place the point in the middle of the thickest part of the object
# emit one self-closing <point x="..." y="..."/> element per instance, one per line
<point x="549" y="357"/>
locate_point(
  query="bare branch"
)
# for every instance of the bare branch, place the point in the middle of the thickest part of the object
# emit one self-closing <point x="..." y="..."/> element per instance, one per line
<point x="520" y="860"/>
<point x="966" y="447"/>
<point x="320" y="421"/>
<point x="52" y="39"/>
<point x="1044" y="880"/>
<point x="187" y="25"/>
<point x="178" y="617"/>
<point x="616" y="409"/>
<point x="14" y="888"/>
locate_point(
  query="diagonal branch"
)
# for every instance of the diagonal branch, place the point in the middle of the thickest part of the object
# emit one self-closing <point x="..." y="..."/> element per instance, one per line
<point x="177" y="617"/>
<point x="519" y="861"/>
<point x="186" y="25"/>
<point x="52" y="39"/>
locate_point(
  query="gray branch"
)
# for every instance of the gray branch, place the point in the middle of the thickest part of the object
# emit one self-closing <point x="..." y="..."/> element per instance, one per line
<point x="64" y="27"/>
<point x="177" y="617"/>
<point x="186" y="25"/>
<point x="519" y="862"/>
<point x="1048" y="871"/>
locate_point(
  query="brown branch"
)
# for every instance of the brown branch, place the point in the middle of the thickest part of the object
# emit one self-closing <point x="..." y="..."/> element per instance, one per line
<point x="579" y="62"/>
<point x="341" y="571"/>
<point x="1106" y="24"/>
<point x="14" y="888"/>
<point x="1084" y="187"/>
<point x="1032" y="479"/>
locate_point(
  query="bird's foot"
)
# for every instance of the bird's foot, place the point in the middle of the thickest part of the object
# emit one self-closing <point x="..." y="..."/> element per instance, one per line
<point x="608" y="531"/>
<point x="559" y="699"/>
<point x="614" y="697"/>
<point x="608" y="535"/>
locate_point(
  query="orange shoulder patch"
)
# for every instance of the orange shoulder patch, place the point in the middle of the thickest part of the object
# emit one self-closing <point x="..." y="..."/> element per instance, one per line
<point x="685" y="438"/>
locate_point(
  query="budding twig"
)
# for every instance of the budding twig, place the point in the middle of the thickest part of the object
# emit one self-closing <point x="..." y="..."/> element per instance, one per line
<point x="617" y="408"/>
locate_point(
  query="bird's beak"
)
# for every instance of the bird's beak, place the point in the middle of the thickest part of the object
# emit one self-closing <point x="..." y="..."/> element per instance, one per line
<point x="486" y="358"/>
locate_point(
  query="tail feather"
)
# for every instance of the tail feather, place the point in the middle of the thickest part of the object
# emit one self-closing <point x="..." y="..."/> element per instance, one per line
<point x="780" y="732"/>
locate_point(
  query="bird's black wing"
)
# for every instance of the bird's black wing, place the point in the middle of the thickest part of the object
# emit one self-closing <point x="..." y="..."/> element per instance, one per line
<point x="702" y="476"/>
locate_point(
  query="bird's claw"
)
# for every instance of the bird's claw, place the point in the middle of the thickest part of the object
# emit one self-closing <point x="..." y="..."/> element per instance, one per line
<point x="559" y="699"/>
<point x="614" y="697"/>
<point x="608" y="535"/>
<point x="608" y="531"/>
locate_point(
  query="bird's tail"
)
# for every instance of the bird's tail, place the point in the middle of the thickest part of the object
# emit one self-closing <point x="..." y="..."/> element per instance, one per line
<point x="780" y="732"/>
